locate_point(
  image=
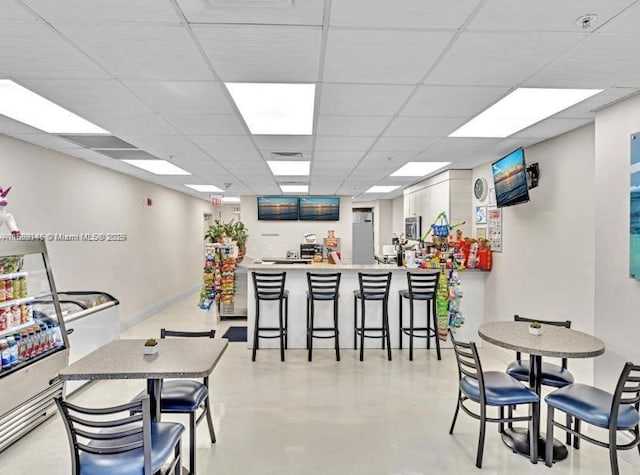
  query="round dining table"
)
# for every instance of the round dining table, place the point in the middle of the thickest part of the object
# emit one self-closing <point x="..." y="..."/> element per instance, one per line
<point x="555" y="342"/>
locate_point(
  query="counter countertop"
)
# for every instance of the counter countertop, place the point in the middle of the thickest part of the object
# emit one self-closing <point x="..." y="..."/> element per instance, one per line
<point x="357" y="267"/>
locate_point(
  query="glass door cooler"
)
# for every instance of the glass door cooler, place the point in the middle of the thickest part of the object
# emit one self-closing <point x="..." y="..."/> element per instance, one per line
<point x="34" y="346"/>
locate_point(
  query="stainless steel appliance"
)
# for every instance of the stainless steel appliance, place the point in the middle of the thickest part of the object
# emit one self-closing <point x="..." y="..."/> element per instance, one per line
<point x="307" y="251"/>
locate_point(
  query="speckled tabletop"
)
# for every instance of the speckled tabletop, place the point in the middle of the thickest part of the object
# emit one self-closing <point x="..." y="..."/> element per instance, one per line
<point x="124" y="359"/>
<point x="555" y="341"/>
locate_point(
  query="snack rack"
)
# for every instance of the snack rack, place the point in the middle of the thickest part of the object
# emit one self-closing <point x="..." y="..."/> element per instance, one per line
<point x="220" y="283"/>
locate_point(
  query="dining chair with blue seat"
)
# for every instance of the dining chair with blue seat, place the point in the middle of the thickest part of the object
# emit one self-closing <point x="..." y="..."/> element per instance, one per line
<point x="121" y="440"/>
<point x="615" y="412"/>
<point x="490" y="388"/>
<point x="552" y="375"/>
<point x="186" y="396"/>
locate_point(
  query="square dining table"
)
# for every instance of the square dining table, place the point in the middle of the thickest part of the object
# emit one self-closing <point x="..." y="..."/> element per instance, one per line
<point x="124" y="359"/>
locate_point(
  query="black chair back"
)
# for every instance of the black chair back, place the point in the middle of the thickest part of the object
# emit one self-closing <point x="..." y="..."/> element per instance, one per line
<point x="374" y="285"/>
<point x="469" y="363"/>
<point x="555" y="323"/>
<point x="187" y="334"/>
<point x="107" y="431"/>
<point x="423" y="283"/>
<point x="269" y="284"/>
<point x="627" y="392"/>
<point x="324" y="285"/>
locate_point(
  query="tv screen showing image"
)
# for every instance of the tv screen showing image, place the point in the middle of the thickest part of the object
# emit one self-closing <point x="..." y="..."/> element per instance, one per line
<point x="277" y="208"/>
<point x="319" y="208"/>
<point x="510" y="179"/>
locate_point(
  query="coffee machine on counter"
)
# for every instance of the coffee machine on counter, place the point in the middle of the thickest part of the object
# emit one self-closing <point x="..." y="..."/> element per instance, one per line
<point x="307" y="251"/>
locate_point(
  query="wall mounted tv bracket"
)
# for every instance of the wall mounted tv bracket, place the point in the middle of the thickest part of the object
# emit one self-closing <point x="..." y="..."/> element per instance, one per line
<point x="533" y="173"/>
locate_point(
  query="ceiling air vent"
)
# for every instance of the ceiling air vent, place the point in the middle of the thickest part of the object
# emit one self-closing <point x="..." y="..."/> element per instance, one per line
<point x="97" y="141"/>
<point x="127" y="154"/>
<point x="287" y="155"/>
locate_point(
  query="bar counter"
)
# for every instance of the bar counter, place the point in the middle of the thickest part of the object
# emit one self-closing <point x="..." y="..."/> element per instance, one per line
<point x="472" y="305"/>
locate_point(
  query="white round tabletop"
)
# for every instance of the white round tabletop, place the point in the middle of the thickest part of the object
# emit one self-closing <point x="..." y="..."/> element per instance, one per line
<point x="555" y="341"/>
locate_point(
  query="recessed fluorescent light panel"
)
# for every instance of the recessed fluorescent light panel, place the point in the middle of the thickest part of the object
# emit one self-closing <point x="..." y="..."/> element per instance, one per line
<point x="230" y="199"/>
<point x="23" y="105"/>
<point x="158" y="167"/>
<point x="289" y="168"/>
<point x="381" y="189"/>
<point x="294" y="188"/>
<point x="205" y="188"/>
<point x="521" y="109"/>
<point x="275" y="109"/>
<point x="419" y="168"/>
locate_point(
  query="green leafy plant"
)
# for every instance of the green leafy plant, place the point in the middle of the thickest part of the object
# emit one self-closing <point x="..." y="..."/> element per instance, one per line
<point x="237" y="231"/>
<point x="535" y="325"/>
<point x="151" y="342"/>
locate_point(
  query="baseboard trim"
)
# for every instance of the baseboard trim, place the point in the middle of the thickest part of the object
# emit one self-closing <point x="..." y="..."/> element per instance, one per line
<point x="151" y="310"/>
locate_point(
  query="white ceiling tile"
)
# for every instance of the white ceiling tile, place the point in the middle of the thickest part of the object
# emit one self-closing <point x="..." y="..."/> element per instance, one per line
<point x="543" y="15"/>
<point x="84" y="96"/>
<point x="382" y="56"/>
<point x="346" y="144"/>
<point x="12" y="11"/>
<point x="499" y="58"/>
<point x="168" y="146"/>
<point x="550" y="128"/>
<point x="600" y="61"/>
<point x="32" y="50"/>
<point x="90" y="11"/>
<point x="506" y="146"/>
<point x="206" y="124"/>
<point x="402" y="144"/>
<point x="47" y="141"/>
<point x="284" y="143"/>
<point x="170" y="98"/>
<point x="223" y="142"/>
<point x="452" y="149"/>
<point x="307" y="12"/>
<point x="243" y="158"/>
<point x="336" y="156"/>
<point x="625" y="23"/>
<point x="347" y="99"/>
<point x="158" y="52"/>
<point x="363" y="126"/>
<point x="132" y="125"/>
<point x="330" y="168"/>
<point x="423" y="126"/>
<point x="397" y="157"/>
<point x="243" y="53"/>
<point x="400" y="13"/>
<point x="452" y="101"/>
<point x="586" y="109"/>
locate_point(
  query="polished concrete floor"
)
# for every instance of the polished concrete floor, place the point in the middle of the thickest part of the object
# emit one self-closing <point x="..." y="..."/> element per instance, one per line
<point x="374" y="418"/>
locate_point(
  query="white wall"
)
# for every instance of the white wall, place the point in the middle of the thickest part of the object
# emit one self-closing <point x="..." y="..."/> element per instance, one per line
<point x="617" y="300"/>
<point x="547" y="267"/>
<point x="275" y="238"/>
<point x="397" y="215"/>
<point x="55" y="193"/>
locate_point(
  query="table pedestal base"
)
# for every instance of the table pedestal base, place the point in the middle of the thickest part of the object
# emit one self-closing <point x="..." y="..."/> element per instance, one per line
<point x="517" y="439"/>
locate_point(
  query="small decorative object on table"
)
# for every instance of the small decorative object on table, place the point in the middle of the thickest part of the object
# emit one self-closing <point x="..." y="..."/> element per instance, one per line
<point x="535" y="328"/>
<point x="150" y="347"/>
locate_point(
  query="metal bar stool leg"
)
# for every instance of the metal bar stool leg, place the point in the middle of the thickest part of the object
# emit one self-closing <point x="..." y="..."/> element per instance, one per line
<point x="400" y="321"/>
<point x="311" y="323"/>
<point x="411" y="330"/>
<point x="362" y="323"/>
<point x="281" y="323"/>
<point x="308" y="326"/>
<point x="385" y="315"/>
<point x="286" y="323"/>
<point x="435" y="327"/>
<point x="255" y="331"/>
<point x="192" y="440"/>
<point x="355" y="323"/>
<point x="335" y="326"/>
<point x="207" y="411"/>
<point x="428" y="324"/>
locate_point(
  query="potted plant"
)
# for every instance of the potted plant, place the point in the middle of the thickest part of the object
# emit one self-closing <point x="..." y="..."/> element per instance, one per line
<point x="240" y="235"/>
<point x="535" y="328"/>
<point x="151" y="346"/>
<point x="216" y="231"/>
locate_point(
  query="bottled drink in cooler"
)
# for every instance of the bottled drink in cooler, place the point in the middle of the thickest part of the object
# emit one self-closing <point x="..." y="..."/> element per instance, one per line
<point x="5" y="354"/>
<point x="13" y="351"/>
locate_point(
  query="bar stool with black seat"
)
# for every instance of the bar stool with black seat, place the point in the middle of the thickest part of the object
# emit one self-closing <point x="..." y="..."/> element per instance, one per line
<point x="615" y="412"/>
<point x="270" y="286"/>
<point x="373" y="287"/>
<point x="490" y="388"/>
<point x="553" y="375"/>
<point x="120" y="440"/>
<point x="322" y="287"/>
<point x="186" y="396"/>
<point x="424" y="287"/>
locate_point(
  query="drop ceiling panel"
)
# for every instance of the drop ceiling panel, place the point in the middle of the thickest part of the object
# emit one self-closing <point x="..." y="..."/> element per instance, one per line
<point x="346" y="144"/>
<point x="223" y="142"/>
<point x="400" y="13"/>
<point x="599" y="61"/>
<point x="170" y="98"/>
<point x="347" y="126"/>
<point x="206" y="124"/>
<point x="132" y="125"/>
<point x="586" y="109"/>
<point x="128" y="154"/>
<point x="402" y="144"/>
<point x="83" y="11"/>
<point x="543" y="15"/>
<point x="241" y="53"/>
<point x="12" y="11"/>
<point x="32" y="50"/>
<point x="337" y="156"/>
<point x="283" y="143"/>
<point x="47" y="141"/>
<point x="332" y="168"/>
<point x="305" y="12"/>
<point x="168" y="146"/>
<point x="96" y="141"/>
<point x="382" y="56"/>
<point x="452" y="101"/>
<point x="498" y="58"/>
<point x="398" y="157"/>
<point x="362" y="99"/>
<point x="551" y="128"/>
<point x="454" y="149"/>
<point x="158" y="52"/>
<point x="246" y="158"/>
<point x="423" y="126"/>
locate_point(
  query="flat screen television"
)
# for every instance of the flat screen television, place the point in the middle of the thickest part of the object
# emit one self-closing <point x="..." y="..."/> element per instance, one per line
<point x="277" y="208"/>
<point x="318" y="208"/>
<point x="510" y="179"/>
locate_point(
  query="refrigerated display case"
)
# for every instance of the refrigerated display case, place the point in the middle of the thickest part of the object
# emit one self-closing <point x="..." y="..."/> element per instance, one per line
<point x="34" y="346"/>
<point x="91" y="319"/>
